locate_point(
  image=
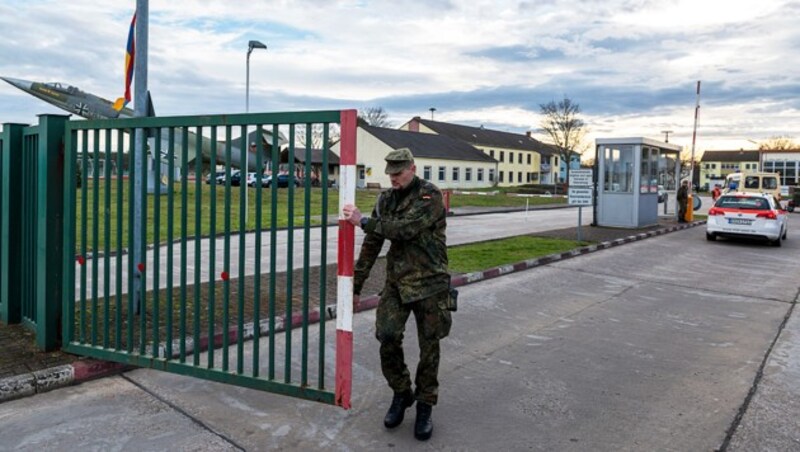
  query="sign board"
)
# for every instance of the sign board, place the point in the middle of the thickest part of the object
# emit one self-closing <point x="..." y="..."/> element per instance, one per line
<point x="580" y="196"/>
<point x="580" y="187"/>
<point x="580" y="178"/>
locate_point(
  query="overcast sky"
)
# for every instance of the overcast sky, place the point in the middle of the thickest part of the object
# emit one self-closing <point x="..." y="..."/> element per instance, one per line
<point x="632" y="65"/>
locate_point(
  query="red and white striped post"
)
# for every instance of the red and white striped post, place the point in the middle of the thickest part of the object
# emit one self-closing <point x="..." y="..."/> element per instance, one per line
<point x="346" y="258"/>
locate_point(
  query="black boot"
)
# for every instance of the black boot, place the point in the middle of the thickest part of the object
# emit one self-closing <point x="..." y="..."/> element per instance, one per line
<point x="397" y="411"/>
<point x="423" y="427"/>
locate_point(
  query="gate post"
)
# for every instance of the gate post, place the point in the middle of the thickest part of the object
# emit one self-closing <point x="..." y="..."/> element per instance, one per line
<point x="10" y="223"/>
<point x="49" y="233"/>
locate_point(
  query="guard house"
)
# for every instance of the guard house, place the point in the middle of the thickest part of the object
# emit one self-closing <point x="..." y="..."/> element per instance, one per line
<point x="630" y="172"/>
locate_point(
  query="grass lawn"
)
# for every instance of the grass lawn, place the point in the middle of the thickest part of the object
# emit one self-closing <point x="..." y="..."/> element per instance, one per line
<point x="483" y="255"/>
<point x="201" y="209"/>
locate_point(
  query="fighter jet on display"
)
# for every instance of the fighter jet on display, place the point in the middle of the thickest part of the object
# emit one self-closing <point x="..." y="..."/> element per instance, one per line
<point x="89" y="106"/>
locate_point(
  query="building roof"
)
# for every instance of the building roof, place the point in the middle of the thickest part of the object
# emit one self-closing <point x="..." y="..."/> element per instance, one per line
<point x="488" y="137"/>
<point x="730" y="156"/>
<point x="428" y="145"/>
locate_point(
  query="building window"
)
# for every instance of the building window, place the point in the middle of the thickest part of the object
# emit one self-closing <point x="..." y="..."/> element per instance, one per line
<point x="502" y="155"/>
<point x="519" y="160"/>
<point x="456" y="170"/>
<point x="500" y="177"/>
<point x="529" y="159"/>
<point x="467" y="174"/>
<point x="510" y="157"/>
<point x="480" y="174"/>
<point x="529" y="178"/>
<point x="491" y="153"/>
<point x="491" y="174"/>
<point x="361" y="174"/>
<point x="426" y="173"/>
<point x="441" y="173"/>
<point x="519" y="177"/>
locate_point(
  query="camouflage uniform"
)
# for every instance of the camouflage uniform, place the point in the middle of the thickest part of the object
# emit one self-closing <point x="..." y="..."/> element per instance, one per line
<point x="413" y="219"/>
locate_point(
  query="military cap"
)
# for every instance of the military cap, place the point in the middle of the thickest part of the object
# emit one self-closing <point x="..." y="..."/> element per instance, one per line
<point x="398" y="160"/>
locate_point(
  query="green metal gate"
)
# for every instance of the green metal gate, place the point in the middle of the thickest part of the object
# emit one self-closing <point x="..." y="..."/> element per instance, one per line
<point x="222" y="282"/>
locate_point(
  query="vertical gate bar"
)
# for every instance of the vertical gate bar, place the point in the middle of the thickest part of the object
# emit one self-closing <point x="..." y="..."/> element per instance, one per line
<point x="143" y="252"/>
<point x="120" y="187"/>
<point x="170" y="236"/>
<point x="184" y="221"/>
<point x="257" y="271"/>
<point x="95" y="228"/>
<point x="273" y="252"/>
<point x="68" y="291"/>
<point x="198" y="223"/>
<point x="212" y="227"/>
<point x="323" y="258"/>
<point x="157" y="159"/>
<point x="243" y="208"/>
<point x="28" y="227"/>
<point x="107" y="240"/>
<point x="226" y="285"/>
<point x="131" y="264"/>
<point x="306" y="255"/>
<point x="287" y="374"/>
<point x="84" y="228"/>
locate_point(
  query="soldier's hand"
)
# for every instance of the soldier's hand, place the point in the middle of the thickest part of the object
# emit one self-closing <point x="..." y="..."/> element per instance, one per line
<point x="351" y="214"/>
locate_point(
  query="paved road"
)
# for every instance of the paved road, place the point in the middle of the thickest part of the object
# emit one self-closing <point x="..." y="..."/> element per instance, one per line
<point x="653" y="345"/>
<point x="461" y="229"/>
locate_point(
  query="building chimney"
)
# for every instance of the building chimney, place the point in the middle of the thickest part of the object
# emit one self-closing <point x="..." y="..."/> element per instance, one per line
<point x="528" y="133"/>
<point x="413" y="125"/>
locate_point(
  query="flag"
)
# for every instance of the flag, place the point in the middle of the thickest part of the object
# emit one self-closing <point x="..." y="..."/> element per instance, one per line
<point x="130" y="54"/>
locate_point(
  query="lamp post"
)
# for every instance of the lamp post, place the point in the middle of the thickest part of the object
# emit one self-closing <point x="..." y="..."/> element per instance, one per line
<point x="250" y="46"/>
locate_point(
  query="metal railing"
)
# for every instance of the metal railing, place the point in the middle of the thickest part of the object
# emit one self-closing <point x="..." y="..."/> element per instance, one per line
<point x="213" y="274"/>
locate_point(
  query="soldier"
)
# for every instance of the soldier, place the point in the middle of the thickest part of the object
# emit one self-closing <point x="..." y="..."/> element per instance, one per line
<point x="683" y="200"/>
<point x="411" y="215"/>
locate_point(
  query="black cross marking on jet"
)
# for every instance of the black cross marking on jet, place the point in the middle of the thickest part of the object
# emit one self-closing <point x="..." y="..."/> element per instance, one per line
<point x="81" y="108"/>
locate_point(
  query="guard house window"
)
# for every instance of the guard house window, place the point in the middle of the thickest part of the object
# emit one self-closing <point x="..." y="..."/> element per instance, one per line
<point x="456" y="170"/>
<point x="618" y="174"/>
<point x="502" y="155"/>
<point x="491" y="174"/>
<point x="441" y="173"/>
<point x="648" y="182"/>
<point x="426" y="173"/>
<point x="467" y="174"/>
<point x="480" y="175"/>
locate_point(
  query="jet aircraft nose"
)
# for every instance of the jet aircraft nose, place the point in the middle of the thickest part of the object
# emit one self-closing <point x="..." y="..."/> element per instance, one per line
<point x="24" y="85"/>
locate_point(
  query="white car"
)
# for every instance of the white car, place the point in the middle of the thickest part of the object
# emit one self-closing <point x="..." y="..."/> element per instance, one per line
<point x="747" y="215"/>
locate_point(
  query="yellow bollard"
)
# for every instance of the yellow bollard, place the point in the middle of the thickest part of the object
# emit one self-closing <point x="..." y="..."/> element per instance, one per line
<point x="689" y="209"/>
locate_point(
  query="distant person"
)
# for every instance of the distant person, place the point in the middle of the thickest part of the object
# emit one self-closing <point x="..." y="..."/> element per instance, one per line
<point x="715" y="193"/>
<point x="411" y="215"/>
<point x="683" y="200"/>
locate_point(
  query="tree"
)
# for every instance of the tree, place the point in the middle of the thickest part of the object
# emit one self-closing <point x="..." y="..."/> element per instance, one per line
<point x="317" y="135"/>
<point x="375" y="116"/>
<point x="778" y="143"/>
<point x="565" y="130"/>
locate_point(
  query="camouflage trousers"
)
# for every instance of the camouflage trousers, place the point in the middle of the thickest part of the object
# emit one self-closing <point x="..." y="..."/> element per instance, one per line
<point x="433" y="323"/>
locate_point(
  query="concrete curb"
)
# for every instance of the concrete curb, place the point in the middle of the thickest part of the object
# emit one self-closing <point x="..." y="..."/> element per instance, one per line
<point x="89" y="369"/>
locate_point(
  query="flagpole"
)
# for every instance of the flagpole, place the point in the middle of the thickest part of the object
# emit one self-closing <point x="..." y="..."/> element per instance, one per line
<point x="140" y="110"/>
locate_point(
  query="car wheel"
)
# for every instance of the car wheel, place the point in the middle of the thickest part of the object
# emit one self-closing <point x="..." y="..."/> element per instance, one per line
<point x="785" y="233"/>
<point x="777" y="243"/>
<point x="790" y="208"/>
<point x="711" y="237"/>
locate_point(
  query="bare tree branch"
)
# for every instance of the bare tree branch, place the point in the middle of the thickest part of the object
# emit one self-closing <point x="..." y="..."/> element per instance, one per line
<point x="566" y="131"/>
<point x="375" y="116"/>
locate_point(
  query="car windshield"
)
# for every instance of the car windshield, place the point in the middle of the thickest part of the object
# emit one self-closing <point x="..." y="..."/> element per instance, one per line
<point x="743" y="202"/>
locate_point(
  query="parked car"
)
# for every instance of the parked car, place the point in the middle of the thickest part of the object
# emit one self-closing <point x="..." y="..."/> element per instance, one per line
<point x="283" y="181"/>
<point x="216" y="177"/>
<point x="236" y="178"/>
<point x="748" y="215"/>
<point x="252" y="181"/>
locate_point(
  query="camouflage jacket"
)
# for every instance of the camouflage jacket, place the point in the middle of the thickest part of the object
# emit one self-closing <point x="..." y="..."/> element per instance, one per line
<point x="414" y="221"/>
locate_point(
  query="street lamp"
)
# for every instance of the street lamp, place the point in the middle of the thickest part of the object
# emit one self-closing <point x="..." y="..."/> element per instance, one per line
<point x="250" y="46"/>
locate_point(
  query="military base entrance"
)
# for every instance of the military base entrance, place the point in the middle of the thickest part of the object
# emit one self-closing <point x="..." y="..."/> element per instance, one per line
<point x="166" y="258"/>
